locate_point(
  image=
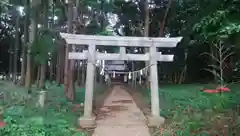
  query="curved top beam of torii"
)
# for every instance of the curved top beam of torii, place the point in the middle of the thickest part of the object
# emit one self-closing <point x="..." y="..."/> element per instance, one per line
<point x="126" y="41"/>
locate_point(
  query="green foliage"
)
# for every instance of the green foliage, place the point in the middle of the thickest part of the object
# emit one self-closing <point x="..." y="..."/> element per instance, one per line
<point x="35" y="126"/>
<point x="196" y="100"/>
<point x="106" y="33"/>
<point x="56" y="119"/>
<point x="190" y="112"/>
<point x="236" y="71"/>
<point x="106" y="5"/>
<point x="221" y="23"/>
<point x="43" y="46"/>
<point x="209" y="26"/>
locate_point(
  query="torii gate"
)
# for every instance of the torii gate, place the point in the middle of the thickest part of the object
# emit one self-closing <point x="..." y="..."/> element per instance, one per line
<point x="92" y="41"/>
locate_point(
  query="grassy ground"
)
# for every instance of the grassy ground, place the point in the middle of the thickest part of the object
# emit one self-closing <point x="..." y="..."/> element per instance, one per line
<point x="190" y="112"/>
<point x="57" y="118"/>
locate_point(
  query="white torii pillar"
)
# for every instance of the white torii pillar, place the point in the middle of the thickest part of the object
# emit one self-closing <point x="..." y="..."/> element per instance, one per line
<point x="88" y="120"/>
<point x="90" y="81"/>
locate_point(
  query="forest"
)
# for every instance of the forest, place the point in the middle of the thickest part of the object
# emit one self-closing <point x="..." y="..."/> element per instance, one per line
<point x="32" y="61"/>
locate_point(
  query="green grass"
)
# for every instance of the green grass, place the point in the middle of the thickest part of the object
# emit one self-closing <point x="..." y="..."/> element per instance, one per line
<point x="55" y="119"/>
<point x="190" y="112"/>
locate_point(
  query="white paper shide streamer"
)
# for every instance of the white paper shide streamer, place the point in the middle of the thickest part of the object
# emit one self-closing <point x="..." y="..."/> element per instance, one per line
<point x="102" y="72"/>
<point x="106" y="77"/>
<point x="103" y="68"/>
<point x="129" y="75"/>
<point x="140" y="76"/>
<point x="141" y="72"/>
<point x="114" y="74"/>
<point x="125" y="78"/>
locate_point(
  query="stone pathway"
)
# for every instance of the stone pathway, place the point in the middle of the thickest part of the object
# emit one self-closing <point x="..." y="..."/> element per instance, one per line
<point x="120" y="116"/>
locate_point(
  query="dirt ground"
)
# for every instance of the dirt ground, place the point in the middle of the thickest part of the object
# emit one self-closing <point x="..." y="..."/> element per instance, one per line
<point x="138" y="99"/>
<point x="120" y="116"/>
<point x="141" y="103"/>
<point x="136" y="95"/>
<point x="98" y="101"/>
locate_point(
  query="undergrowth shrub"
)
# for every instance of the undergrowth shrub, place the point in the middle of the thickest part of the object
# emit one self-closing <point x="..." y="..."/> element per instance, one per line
<point x="196" y="113"/>
<point x="23" y="118"/>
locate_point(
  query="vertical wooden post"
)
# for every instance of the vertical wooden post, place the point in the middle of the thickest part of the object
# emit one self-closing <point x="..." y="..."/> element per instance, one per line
<point x="154" y="82"/>
<point x="90" y="81"/>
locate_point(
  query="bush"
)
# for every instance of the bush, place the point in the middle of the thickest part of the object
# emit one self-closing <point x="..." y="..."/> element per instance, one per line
<point x="23" y="118"/>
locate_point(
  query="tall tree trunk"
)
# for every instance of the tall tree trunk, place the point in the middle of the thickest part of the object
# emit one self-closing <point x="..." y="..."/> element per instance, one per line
<point x="70" y="30"/>
<point x="16" y="46"/>
<point x="102" y="15"/>
<point x="26" y="39"/>
<point x="60" y="64"/>
<point x="146" y="21"/>
<point x="10" y="62"/>
<point x="59" y="54"/>
<point x="163" y="22"/>
<point x="71" y="92"/>
<point x="162" y="28"/>
<point x="57" y="51"/>
<point x="44" y="65"/>
<point x="82" y="31"/>
<point x="32" y="37"/>
<point x="34" y="73"/>
<point x="43" y="68"/>
<point x="52" y="64"/>
<point x="51" y="67"/>
<point x="58" y="73"/>
<point x="146" y="29"/>
<point x="38" y="76"/>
